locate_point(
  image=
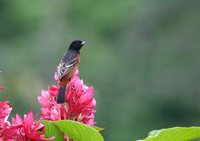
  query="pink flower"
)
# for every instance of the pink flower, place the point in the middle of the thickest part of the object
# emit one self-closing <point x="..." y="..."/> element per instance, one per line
<point x="79" y="102"/>
<point x="1" y="88"/>
<point x="50" y="109"/>
<point x="5" y="110"/>
<point x="23" y="130"/>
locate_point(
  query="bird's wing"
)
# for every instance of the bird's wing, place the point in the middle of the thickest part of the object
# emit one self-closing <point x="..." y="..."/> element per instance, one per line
<point x="65" y="67"/>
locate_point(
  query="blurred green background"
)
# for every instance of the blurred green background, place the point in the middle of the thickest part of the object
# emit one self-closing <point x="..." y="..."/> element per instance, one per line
<point x="142" y="57"/>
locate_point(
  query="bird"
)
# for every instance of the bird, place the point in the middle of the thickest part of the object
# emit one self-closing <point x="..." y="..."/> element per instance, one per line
<point x="68" y="66"/>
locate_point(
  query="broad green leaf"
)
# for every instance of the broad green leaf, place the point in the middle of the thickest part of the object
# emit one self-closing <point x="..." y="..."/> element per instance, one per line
<point x="79" y="131"/>
<point x="52" y="130"/>
<point x="174" y="134"/>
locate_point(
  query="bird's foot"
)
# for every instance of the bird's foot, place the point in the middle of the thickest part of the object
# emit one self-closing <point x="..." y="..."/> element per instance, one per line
<point x="73" y="87"/>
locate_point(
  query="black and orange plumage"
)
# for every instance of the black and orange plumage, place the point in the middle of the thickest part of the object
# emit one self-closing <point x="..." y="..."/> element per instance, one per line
<point x="68" y="66"/>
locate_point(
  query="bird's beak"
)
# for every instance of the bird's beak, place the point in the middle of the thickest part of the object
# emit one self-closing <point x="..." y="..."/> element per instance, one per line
<point x="83" y="42"/>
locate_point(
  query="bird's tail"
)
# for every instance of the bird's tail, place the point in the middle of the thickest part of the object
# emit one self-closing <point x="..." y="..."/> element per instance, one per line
<point x="61" y="94"/>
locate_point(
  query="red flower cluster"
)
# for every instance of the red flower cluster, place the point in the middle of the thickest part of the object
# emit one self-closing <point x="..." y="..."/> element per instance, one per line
<point x="78" y="106"/>
<point x="19" y="130"/>
<point x="5" y="110"/>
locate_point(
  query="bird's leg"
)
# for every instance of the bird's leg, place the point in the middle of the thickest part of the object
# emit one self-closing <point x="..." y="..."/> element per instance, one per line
<point x="72" y="86"/>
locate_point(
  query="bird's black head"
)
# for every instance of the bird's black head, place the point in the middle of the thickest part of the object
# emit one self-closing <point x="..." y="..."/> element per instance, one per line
<point x="76" y="45"/>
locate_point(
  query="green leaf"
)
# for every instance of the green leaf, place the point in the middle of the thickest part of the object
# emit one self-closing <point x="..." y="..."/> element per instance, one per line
<point x="98" y="128"/>
<point x="174" y="134"/>
<point x="52" y="130"/>
<point x="79" y="131"/>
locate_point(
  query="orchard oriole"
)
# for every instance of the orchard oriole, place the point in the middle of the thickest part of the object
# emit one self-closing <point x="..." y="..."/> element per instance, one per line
<point x="68" y="66"/>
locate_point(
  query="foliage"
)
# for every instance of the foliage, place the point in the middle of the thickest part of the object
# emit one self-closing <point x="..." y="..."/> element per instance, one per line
<point x="74" y="130"/>
<point x="141" y="56"/>
<point x="71" y="120"/>
<point x="174" y="134"/>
